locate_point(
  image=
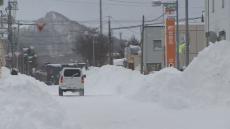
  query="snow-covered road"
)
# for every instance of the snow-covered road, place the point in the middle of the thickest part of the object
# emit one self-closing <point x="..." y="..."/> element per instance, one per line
<point x="118" y="98"/>
<point x="116" y="112"/>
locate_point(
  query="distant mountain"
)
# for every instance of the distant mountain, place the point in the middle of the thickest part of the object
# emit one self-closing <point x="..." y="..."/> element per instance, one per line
<point x="54" y="44"/>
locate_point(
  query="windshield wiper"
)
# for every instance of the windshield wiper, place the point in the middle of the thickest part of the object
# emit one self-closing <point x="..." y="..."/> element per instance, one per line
<point x="74" y="75"/>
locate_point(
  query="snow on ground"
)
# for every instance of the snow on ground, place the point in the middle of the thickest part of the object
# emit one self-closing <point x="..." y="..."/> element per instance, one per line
<point x="119" y="62"/>
<point x="25" y="105"/>
<point x="204" y="83"/>
<point x="118" y="98"/>
<point x="110" y="80"/>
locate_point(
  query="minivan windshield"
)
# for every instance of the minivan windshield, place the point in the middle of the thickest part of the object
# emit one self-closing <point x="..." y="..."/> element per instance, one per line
<point x="72" y="73"/>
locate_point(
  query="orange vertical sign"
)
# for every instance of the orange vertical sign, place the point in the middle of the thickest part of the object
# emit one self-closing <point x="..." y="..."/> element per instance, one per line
<point x="170" y="44"/>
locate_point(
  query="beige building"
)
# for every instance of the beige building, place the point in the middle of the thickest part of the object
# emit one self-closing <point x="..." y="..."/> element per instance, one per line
<point x="2" y="53"/>
<point x="197" y="41"/>
<point x="132" y="55"/>
<point x="154" y="36"/>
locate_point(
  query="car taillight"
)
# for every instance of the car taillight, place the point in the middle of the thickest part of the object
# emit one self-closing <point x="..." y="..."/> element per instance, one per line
<point x="61" y="79"/>
<point x="82" y="79"/>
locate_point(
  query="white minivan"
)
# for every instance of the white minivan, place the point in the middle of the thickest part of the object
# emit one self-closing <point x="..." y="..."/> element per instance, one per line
<point x="71" y="79"/>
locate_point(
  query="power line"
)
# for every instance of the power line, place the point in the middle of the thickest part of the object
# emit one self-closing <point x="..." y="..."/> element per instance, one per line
<point x="108" y="3"/>
<point x="127" y="29"/>
<point x="129" y="2"/>
<point x="156" y="19"/>
<point x="136" y="26"/>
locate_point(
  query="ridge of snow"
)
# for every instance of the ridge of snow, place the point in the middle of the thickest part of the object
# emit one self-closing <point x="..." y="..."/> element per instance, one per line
<point x="25" y="105"/>
<point x="205" y="82"/>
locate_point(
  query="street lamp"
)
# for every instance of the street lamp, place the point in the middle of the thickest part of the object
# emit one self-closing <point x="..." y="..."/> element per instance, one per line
<point x="94" y="56"/>
<point x="173" y="3"/>
<point x="94" y="37"/>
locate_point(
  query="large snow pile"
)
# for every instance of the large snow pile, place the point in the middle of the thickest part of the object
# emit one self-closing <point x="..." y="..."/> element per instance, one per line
<point x="24" y="105"/>
<point x="208" y="76"/>
<point x="109" y="80"/>
<point x="205" y="82"/>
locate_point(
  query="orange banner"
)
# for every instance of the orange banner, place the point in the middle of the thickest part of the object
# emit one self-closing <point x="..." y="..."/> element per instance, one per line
<point x="170" y="44"/>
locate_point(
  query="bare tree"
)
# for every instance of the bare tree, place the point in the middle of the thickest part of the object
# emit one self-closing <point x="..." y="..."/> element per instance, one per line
<point x="84" y="47"/>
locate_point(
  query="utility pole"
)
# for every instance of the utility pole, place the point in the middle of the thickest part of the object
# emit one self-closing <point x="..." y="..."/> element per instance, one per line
<point x="101" y="25"/>
<point x="142" y="44"/>
<point x="110" y="43"/>
<point x="94" y="51"/>
<point x="187" y="33"/>
<point x="120" y="36"/>
<point x="10" y="32"/>
<point x="177" y="36"/>
<point x="207" y="34"/>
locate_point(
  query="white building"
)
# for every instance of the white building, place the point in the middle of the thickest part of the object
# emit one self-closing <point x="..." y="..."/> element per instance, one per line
<point x="217" y="19"/>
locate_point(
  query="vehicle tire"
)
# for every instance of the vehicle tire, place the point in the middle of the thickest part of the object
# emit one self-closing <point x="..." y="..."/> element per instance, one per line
<point x="60" y="92"/>
<point x="82" y="93"/>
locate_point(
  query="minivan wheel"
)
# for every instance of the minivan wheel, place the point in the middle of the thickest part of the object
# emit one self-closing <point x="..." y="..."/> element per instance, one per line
<point x="60" y="92"/>
<point x="81" y="92"/>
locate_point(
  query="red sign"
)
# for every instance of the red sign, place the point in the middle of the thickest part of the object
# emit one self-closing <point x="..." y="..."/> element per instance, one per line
<point x="40" y="26"/>
<point x="170" y="44"/>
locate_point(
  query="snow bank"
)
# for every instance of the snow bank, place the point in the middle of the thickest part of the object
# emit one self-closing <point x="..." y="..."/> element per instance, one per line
<point x="208" y="76"/>
<point x="24" y="105"/>
<point x="205" y="82"/>
<point x="119" y="62"/>
<point x="109" y="80"/>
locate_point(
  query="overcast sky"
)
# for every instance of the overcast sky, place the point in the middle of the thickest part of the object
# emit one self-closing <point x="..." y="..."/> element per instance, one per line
<point x="123" y="12"/>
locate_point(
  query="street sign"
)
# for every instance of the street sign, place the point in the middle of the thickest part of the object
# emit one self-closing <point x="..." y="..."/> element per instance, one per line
<point x="170" y="42"/>
<point x="170" y="8"/>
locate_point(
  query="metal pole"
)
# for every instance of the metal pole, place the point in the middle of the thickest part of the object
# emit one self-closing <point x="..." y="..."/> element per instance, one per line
<point x="164" y="39"/>
<point x="10" y="32"/>
<point x="18" y="46"/>
<point x="1" y="22"/>
<point x="93" y="52"/>
<point x="110" y="44"/>
<point x="187" y="33"/>
<point x="101" y="25"/>
<point x="177" y="35"/>
<point x="142" y="45"/>
<point x="207" y="35"/>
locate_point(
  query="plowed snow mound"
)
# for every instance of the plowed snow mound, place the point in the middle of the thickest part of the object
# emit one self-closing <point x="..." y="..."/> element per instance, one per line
<point x="206" y="81"/>
<point x="208" y="76"/>
<point x="26" y="106"/>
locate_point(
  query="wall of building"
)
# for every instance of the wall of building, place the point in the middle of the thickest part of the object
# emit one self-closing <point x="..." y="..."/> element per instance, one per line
<point x="153" y="56"/>
<point x="217" y="16"/>
<point x="2" y="53"/>
<point x="197" y="41"/>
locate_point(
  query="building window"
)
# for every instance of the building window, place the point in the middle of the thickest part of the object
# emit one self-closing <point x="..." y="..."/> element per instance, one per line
<point x="157" y="45"/>
<point x="222" y="35"/>
<point x="153" y="67"/>
<point x="222" y="3"/>
<point x="213" y="6"/>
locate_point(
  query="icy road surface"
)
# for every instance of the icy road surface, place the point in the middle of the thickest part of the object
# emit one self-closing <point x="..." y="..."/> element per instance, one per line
<point x="115" y="112"/>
